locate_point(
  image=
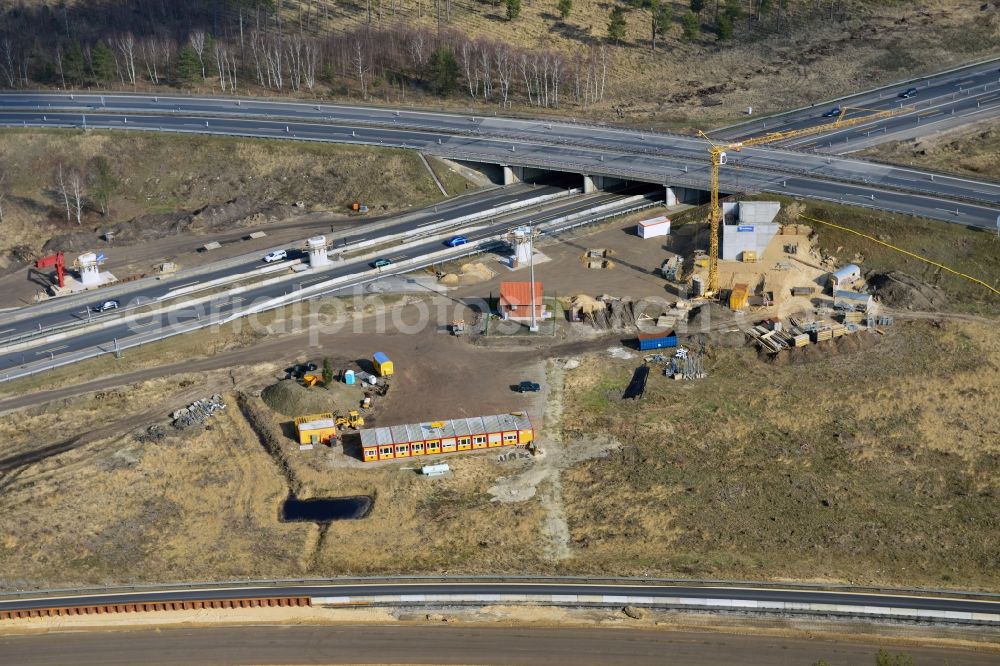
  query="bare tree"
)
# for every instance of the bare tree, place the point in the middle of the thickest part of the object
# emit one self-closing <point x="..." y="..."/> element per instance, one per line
<point x="3" y="191"/>
<point x="197" y="39"/>
<point x="76" y="184"/>
<point x="126" y="44"/>
<point x="59" y="66"/>
<point x="360" y="66"/>
<point x="309" y="63"/>
<point x="417" y="48"/>
<point x="62" y="189"/>
<point x="467" y="56"/>
<point x="11" y="70"/>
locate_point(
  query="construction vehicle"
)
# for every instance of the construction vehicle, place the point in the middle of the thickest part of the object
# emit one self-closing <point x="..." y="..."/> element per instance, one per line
<point x="310" y="380"/>
<point x="458" y="327"/>
<point x="352" y="420"/>
<point x="59" y="261"/>
<point x="717" y="152"/>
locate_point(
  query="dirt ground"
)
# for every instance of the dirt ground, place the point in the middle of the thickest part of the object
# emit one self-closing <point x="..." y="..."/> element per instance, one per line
<point x="971" y="150"/>
<point x="842" y="489"/>
<point x="184" y="191"/>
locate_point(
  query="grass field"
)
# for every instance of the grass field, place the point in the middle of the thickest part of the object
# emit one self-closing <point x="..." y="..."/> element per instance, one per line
<point x="798" y="471"/>
<point x="168" y="174"/>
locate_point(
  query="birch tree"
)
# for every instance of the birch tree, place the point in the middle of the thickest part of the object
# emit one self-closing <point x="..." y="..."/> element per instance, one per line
<point x="62" y="190"/>
<point x="126" y="44"/>
<point x="3" y="191"/>
<point x="76" y="181"/>
<point x="197" y="40"/>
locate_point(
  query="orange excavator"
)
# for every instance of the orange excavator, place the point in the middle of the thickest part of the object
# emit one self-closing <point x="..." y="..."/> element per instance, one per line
<point x="59" y="261"/>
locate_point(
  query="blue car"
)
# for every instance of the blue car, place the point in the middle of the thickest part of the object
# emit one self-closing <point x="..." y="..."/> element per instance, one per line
<point x="832" y="113"/>
<point x="908" y="93"/>
<point x="456" y="241"/>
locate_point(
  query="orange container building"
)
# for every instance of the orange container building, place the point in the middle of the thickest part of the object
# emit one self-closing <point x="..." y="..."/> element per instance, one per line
<point x="466" y="434"/>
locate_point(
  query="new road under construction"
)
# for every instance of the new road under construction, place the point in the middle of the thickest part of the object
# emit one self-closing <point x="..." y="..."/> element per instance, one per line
<point x="730" y="381"/>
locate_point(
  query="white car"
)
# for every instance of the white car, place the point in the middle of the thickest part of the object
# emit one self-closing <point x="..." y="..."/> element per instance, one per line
<point x="277" y="255"/>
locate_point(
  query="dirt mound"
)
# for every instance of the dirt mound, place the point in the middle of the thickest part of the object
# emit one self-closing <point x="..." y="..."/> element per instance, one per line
<point x="811" y="353"/>
<point x="233" y="214"/>
<point x="290" y="398"/>
<point x="586" y="304"/>
<point x="901" y="290"/>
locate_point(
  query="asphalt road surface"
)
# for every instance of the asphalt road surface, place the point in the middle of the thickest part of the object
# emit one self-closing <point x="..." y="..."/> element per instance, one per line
<point x="655" y="157"/>
<point x="790" y="595"/>
<point x="217" y="310"/>
<point x="791" y="173"/>
<point x="73" y="309"/>
<point x="964" y="95"/>
<point x="516" y="646"/>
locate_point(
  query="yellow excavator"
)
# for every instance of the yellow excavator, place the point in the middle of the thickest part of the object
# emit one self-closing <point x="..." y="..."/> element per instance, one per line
<point x="352" y="420"/>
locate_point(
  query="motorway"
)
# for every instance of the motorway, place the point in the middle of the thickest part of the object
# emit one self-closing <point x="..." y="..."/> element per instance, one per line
<point x="670" y="159"/>
<point x="974" y="604"/>
<point x="402" y="644"/>
<point x="70" y="310"/>
<point x="217" y="310"/>
<point x="942" y="100"/>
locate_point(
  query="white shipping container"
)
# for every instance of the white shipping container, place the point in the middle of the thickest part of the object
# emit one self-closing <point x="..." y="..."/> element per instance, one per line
<point x="657" y="226"/>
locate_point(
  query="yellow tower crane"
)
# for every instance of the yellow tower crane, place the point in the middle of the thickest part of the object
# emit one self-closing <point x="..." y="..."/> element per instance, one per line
<point x="717" y="152"/>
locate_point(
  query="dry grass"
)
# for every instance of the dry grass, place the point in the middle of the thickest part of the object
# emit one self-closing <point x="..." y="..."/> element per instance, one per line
<point x="972" y="150"/>
<point x="195" y="505"/>
<point x="160" y="174"/>
<point x="706" y="83"/>
<point x="799" y="472"/>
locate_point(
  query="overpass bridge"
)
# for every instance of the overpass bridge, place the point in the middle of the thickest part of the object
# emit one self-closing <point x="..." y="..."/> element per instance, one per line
<point x="520" y="148"/>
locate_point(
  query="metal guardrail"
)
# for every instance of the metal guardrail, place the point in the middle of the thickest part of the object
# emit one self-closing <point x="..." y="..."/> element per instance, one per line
<point x="315" y="291"/>
<point x="528" y="578"/>
<point x="498" y="134"/>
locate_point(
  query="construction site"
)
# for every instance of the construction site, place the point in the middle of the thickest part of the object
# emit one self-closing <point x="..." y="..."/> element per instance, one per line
<point x="692" y="367"/>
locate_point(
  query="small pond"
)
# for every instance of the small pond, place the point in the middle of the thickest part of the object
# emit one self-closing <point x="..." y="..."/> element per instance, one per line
<point x="325" y="510"/>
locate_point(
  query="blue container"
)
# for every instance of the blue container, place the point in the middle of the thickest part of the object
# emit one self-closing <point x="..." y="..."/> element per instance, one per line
<point x="657" y="340"/>
<point x="349" y="377"/>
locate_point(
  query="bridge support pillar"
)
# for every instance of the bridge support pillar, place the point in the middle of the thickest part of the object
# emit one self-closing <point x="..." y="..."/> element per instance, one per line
<point x="512" y="174"/>
<point x="685" y="195"/>
<point x="592" y="183"/>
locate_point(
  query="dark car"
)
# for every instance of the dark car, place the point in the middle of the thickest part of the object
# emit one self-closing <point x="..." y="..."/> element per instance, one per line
<point x="527" y="387"/>
<point x="908" y="93"/>
<point x="832" y="113"/>
<point x="106" y="305"/>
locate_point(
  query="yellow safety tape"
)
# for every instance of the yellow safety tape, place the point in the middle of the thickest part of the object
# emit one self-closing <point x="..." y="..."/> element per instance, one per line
<point x="899" y="249"/>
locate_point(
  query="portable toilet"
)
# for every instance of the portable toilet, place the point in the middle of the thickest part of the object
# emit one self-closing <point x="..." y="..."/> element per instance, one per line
<point x="349" y="377"/>
<point x="383" y="366"/>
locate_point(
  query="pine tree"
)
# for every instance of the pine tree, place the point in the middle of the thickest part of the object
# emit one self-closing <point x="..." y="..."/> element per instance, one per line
<point x="697" y="6"/>
<point x="564" y="7"/>
<point x="327" y="373"/>
<point x="724" y="27"/>
<point x="616" y="25"/>
<point x="513" y="9"/>
<point x="660" y="15"/>
<point x="74" y="65"/>
<point x="690" y="26"/>
<point x="443" y="70"/>
<point x="188" y="67"/>
<point x="102" y="63"/>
